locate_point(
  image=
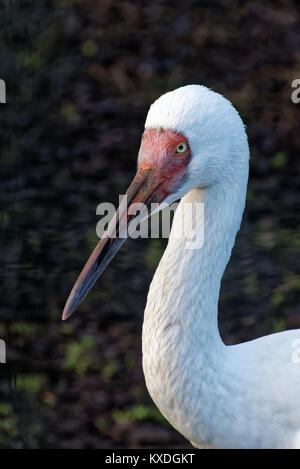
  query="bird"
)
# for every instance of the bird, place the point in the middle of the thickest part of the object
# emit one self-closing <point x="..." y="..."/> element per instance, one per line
<point x="194" y="148"/>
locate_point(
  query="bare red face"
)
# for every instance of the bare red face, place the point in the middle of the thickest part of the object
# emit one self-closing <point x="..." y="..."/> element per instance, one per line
<point x="167" y="153"/>
<point x="162" y="162"/>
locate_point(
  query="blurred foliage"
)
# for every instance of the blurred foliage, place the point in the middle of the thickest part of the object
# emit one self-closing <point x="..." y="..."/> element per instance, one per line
<point x="136" y="413"/>
<point x="80" y="77"/>
<point x="78" y="356"/>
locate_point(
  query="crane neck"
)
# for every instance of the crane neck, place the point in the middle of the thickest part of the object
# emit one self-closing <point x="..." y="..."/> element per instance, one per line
<point x="186" y="285"/>
<point x="181" y="339"/>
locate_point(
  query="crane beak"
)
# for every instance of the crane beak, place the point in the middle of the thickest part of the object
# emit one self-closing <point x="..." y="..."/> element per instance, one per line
<point x="145" y="188"/>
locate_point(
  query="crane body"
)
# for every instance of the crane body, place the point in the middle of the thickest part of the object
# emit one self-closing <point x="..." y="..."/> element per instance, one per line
<point x="195" y="148"/>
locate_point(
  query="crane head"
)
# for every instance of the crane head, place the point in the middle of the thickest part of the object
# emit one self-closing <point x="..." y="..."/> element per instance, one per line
<point x="193" y="138"/>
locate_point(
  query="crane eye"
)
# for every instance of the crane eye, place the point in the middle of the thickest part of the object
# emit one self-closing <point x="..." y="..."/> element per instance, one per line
<point x="181" y="148"/>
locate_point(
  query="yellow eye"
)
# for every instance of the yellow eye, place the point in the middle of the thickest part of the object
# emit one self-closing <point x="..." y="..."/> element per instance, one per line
<point x="181" y="148"/>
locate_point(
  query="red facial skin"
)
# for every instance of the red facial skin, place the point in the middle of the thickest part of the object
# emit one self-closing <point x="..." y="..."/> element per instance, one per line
<point x="158" y="152"/>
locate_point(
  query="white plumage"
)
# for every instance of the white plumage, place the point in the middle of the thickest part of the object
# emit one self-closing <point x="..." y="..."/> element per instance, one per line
<point x="241" y="396"/>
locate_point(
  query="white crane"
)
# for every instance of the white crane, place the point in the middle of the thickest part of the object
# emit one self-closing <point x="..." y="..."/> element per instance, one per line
<point x="244" y="396"/>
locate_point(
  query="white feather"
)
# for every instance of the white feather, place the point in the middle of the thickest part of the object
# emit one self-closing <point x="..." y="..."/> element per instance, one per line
<point x="242" y="396"/>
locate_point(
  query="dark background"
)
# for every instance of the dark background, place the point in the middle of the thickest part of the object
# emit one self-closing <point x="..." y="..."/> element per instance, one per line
<point x="80" y="77"/>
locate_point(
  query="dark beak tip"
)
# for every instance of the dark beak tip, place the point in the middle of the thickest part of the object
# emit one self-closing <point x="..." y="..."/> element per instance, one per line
<point x="66" y="313"/>
<point x="70" y="307"/>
